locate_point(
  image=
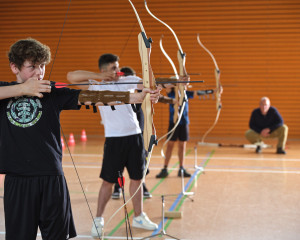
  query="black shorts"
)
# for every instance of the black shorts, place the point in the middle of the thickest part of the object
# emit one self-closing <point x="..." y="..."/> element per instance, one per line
<point x="37" y="201"/>
<point x="121" y="152"/>
<point x="181" y="132"/>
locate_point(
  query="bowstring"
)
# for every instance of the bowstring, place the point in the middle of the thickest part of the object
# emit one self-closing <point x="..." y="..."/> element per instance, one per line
<point x="64" y="137"/>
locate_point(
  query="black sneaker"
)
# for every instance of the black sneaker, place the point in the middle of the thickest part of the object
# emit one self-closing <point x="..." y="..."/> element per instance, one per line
<point x="146" y="193"/>
<point x="185" y="173"/>
<point x="117" y="192"/>
<point x="280" y="151"/>
<point x="163" y="173"/>
<point x="258" y="149"/>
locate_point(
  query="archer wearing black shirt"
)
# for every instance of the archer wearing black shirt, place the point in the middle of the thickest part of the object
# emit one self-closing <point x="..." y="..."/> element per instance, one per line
<point x="35" y="189"/>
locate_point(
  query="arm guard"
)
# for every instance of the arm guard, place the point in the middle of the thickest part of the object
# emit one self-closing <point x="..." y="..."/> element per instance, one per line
<point x="103" y="97"/>
<point x="204" y="92"/>
<point x="162" y="99"/>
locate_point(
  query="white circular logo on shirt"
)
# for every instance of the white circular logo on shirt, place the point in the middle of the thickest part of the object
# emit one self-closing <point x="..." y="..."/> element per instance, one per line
<point x="24" y="111"/>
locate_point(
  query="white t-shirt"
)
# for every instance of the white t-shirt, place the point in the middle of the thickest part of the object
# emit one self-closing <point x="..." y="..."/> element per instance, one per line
<point x="122" y="121"/>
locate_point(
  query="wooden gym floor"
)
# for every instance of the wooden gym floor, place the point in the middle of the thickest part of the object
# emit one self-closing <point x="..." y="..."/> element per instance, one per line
<point x="241" y="195"/>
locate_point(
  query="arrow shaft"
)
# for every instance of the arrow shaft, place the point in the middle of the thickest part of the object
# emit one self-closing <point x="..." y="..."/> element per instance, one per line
<point x="120" y="83"/>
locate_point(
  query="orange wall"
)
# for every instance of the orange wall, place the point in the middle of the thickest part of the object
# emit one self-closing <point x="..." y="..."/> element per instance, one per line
<point x="256" y="44"/>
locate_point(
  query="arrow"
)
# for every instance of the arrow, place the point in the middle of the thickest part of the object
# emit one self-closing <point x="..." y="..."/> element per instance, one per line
<point x="62" y="85"/>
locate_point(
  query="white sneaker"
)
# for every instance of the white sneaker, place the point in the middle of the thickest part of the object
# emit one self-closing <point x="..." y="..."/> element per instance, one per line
<point x="144" y="222"/>
<point x="97" y="227"/>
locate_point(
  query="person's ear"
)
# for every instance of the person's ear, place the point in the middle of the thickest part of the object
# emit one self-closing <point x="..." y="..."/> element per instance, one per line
<point x="14" y="68"/>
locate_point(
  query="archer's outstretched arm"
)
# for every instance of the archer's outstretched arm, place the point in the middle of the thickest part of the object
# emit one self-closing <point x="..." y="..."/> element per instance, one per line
<point x="82" y="76"/>
<point x="31" y="87"/>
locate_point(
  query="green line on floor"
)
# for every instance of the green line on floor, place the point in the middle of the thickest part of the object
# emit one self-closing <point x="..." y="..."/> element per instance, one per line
<point x="131" y="212"/>
<point x="190" y="187"/>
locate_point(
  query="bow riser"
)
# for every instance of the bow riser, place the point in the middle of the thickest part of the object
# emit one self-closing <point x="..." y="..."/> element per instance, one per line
<point x="218" y="93"/>
<point x="182" y="72"/>
<point x="148" y="82"/>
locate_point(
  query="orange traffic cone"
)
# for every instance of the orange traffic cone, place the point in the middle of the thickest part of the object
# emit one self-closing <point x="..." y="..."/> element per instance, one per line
<point x="62" y="143"/>
<point x="83" y="137"/>
<point x="71" y="141"/>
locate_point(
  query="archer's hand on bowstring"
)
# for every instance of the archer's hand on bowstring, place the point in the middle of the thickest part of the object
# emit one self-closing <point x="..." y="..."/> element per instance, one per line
<point x="83" y="77"/>
<point x="35" y="87"/>
<point x="109" y="76"/>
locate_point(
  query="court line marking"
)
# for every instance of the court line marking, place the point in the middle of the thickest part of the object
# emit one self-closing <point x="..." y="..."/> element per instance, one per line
<point x="132" y="211"/>
<point x="89" y="237"/>
<point x="217" y="169"/>
<point x="159" y="182"/>
<point x="258" y="158"/>
<point x="250" y="171"/>
<point x="180" y="199"/>
<point x="206" y="170"/>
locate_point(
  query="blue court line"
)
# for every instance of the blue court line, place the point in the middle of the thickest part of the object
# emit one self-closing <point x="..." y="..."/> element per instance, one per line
<point x="181" y="195"/>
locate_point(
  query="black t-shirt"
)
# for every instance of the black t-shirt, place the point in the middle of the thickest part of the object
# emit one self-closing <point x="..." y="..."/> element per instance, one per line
<point x="30" y="132"/>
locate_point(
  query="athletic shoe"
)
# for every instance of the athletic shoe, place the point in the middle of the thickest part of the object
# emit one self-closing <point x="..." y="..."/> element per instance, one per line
<point x="280" y="151"/>
<point x="258" y="149"/>
<point x="185" y="173"/>
<point x="97" y="227"/>
<point x="146" y="193"/>
<point x="143" y="222"/>
<point x="117" y="192"/>
<point x="163" y="173"/>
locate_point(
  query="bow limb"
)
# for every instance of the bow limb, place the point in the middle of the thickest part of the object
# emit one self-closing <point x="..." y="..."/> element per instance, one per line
<point x="218" y="89"/>
<point x="176" y="89"/>
<point x="174" y="34"/>
<point x="168" y="57"/>
<point x="175" y="105"/>
<point x="177" y="100"/>
<point x="179" y="90"/>
<point x="147" y="106"/>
